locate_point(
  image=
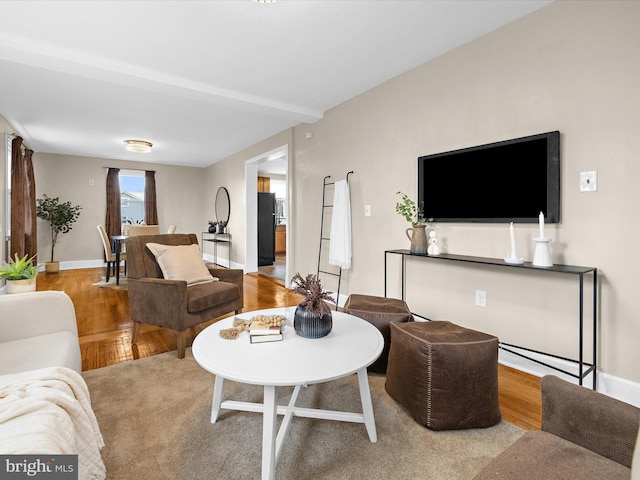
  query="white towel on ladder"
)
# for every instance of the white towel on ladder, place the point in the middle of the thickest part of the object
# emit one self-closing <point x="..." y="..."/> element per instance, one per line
<point x="340" y="243"/>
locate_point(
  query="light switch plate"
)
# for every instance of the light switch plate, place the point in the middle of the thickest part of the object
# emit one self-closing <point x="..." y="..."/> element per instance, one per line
<point x="589" y="181"/>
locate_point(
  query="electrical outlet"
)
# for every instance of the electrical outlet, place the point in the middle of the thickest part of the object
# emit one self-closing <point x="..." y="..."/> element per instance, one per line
<point x="481" y="298"/>
<point x="588" y="181"/>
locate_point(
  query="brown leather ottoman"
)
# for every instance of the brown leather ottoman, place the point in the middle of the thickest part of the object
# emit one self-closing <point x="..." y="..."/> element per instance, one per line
<point x="380" y="312"/>
<point x="444" y="375"/>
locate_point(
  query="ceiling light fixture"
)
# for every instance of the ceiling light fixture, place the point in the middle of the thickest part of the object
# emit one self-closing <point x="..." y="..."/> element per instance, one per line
<point x="264" y="1"/>
<point x="138" y="146"/>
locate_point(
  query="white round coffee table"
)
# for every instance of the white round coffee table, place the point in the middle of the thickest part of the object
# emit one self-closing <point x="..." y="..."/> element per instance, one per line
<point x="352" y="345"/>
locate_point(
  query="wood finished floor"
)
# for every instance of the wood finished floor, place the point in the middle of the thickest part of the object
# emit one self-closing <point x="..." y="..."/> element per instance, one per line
<point x="277" y="269"/>
<point x="104" y="328"/>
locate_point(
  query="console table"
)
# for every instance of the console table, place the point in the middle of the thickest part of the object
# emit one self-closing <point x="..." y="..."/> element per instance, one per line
<point x="584" y="368"/>
<point x="217" y="238"/>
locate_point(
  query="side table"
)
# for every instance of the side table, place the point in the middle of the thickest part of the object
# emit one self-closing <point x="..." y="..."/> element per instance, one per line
<point x="217" y="238"/>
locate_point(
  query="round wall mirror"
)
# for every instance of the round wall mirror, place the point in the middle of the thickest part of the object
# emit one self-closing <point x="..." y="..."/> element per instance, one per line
<point x="223" y="206"/>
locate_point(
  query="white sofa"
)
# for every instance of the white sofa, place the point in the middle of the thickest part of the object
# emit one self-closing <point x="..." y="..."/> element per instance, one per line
<point x="45" y="407"/>
<point x="38" y="330"/>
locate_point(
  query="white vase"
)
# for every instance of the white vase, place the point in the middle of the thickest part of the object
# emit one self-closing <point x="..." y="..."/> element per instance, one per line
<point x="21" y="286"/>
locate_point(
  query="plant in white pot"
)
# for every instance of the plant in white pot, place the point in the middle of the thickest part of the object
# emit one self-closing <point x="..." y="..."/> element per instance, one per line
<point x="20" y="274"/>
<point x="61" y="216"/>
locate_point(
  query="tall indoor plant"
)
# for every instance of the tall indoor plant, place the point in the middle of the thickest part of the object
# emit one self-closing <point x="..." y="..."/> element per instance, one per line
<point x="61" y="216"/>
<point x="20" y="274"/>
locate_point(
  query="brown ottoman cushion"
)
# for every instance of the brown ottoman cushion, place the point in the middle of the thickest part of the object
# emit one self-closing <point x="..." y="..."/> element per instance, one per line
<point x="445" y="375"/>
<point x="380" y="312"/>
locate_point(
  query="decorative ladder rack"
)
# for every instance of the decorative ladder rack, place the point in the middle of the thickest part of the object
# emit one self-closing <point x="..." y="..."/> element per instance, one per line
<point x="325" y="238"/>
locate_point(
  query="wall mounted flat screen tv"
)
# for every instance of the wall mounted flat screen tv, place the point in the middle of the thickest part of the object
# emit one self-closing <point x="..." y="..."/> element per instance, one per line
<point x="508" y="181"/>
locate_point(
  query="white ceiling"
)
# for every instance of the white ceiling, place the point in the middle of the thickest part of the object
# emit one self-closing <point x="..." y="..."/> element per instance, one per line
<point x="205" y="79"/>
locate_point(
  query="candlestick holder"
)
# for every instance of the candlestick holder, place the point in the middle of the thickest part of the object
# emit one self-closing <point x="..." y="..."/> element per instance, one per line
<point x="542" y="254"/>
<point x="512" y="258"/>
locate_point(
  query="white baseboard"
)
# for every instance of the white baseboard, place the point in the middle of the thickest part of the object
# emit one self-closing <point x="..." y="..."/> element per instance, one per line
<point x="223" y="262"/>
<point x="79" y="264"/>
<point x="84" y="264"/>
<point x="342" y="299"/>
<point x="612" y="386"/>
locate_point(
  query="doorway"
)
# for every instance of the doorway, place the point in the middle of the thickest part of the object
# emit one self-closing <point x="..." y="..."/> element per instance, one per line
<point x="272" y="165"/>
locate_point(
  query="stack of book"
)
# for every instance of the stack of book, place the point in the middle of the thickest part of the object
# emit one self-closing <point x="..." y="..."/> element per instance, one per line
<point x="259" y="333"/>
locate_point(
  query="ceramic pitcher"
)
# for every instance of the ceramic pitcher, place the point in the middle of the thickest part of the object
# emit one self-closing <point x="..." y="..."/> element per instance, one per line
<point x="418" y="237"/>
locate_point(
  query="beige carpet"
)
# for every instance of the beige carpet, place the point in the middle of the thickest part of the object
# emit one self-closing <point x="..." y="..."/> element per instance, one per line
<point x="112" y="283"/>
<point x="154" y="414"/>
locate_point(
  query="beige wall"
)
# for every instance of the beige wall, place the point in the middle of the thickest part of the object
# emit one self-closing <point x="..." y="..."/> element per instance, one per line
<point x="571" y="66"/>
<point x="180" y="193"/>
<point x="230" y="174"/>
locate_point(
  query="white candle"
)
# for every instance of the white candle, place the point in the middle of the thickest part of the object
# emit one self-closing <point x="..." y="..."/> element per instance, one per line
<point x="512" y="254"/>
<point x="541" y="223"/>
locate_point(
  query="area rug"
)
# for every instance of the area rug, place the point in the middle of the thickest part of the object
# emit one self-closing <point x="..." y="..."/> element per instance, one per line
<point x="154" y="414"/>
<point x="111" y="283"/>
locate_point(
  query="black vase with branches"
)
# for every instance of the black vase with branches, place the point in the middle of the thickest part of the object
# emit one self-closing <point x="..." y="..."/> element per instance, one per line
<point x="312" y="318"/>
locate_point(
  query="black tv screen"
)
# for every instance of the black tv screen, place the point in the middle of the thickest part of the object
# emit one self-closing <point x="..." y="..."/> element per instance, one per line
<point x="509" y="181"/>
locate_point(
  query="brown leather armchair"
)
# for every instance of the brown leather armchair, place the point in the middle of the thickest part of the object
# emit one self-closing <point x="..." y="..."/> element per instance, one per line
<point x="171" y="303"/>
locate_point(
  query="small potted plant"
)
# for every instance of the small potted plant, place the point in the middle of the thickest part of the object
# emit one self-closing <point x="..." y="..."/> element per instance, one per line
<point x="221" y="226"/>
<point x="61" y="216"/>
<point x="408" y="209"/>
<point x="212" y="226"/>
<point x="20" y="274"/>
<point x="312" y="318"/>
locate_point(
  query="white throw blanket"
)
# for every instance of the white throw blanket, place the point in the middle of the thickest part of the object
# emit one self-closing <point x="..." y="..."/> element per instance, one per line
<point x="340" y="243"/>
<point x="48" y="411"/>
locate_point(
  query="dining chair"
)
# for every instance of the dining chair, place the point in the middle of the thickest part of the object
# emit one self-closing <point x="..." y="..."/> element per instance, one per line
<point x="135" y="230"/>
<point x="109" y="254"/>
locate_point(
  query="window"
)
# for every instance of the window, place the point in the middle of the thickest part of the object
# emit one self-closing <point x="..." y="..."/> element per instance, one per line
<point x="279" y="187"/>
<point x="131" y="196"/>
